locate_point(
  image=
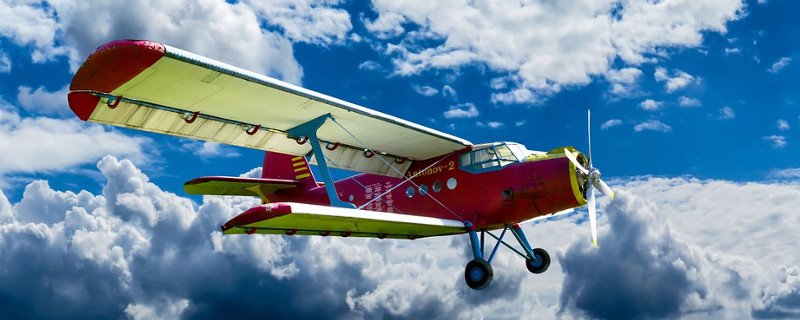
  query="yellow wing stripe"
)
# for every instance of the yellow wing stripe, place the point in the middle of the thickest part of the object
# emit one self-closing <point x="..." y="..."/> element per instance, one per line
<point x="305" y="175"/>
<point x="301" y="169"/>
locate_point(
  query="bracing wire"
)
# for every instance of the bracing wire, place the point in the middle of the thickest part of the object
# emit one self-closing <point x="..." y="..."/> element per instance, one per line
<point x="407" y="179"/>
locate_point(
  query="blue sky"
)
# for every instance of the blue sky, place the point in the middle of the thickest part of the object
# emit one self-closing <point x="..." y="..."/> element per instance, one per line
<point x="688" y="99"/>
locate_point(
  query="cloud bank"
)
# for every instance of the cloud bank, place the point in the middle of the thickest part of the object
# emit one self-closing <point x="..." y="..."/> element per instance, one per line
<point x="137" y="251"/>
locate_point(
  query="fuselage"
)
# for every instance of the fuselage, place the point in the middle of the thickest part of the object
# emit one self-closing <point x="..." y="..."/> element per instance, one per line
<point x="487" y="185"/>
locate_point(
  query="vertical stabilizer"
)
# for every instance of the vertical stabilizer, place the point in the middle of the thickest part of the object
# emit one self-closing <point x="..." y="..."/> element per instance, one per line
<point x="287" y="167"/>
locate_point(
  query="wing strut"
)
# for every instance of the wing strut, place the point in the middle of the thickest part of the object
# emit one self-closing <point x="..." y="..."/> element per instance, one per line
<point x="309" y="131"/>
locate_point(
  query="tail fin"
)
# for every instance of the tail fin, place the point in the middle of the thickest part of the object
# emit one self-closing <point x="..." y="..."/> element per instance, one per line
<point x="287" y="167"/>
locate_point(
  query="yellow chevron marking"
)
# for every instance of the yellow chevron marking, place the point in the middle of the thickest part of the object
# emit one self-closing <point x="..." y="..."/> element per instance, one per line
<point x="305" y="175"/>
<point x="301" y="169"/>
<point x="297" y="159"/>
<point x="297" y="164"/>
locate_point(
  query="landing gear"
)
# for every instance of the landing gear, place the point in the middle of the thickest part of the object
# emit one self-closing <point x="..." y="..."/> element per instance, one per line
<point x="478" y="274"/>
<point x="540" y="263"/>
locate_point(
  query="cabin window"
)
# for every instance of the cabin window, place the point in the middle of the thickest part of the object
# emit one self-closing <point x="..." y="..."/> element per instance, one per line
<point x="488" y="157"/>
<point x="423" y="190"/>
<point x="410" y="192"/>
<point x="437" y="186"/>
<point x="451" y="183"/>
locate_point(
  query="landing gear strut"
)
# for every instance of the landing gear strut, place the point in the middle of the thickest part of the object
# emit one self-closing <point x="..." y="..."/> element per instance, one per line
<point x="479" y="273"/>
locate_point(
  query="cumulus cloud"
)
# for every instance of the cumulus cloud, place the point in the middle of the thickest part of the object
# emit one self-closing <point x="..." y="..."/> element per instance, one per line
<point x="779" y="65"/>
<point x="610" y="124"/>
<point x="783" y="125"/>
<point x="42" y="144"/>
<point x="776" y="141"/>
<point x="465" y="110"/>
<point x="425" y="90"/>
<point x="651" y="105"/>
<point x="69" y="28"/>
<point x="687" y="102"/>
<point x="668" y="252"/>
<point x="138" y="251"/>
<point x="490" y="124"/>
<point x="623" y="82"/>
<point x="548" y="45"/>
<point x="674" y="83"/>
<point x="5" y="63"/>
<point x="652" y="125"/>
<point x="726" y="113"/>
<point x="208" y="149"/>
<point x="312" y="21"/>
<point x="43" y="101"/>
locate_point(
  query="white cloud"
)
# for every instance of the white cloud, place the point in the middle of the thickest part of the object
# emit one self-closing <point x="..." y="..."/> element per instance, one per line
<point x="730" y="51"/>
<point x="465" y="110"/>
<point x="138" y="251"/>
<point x="424" y="90"/>
<point x="687" y="102"/>
<point x="793" y="173"/>
<point x="779" y="65"/>
<point x="651" y="105"/>
<point x="548" y="45"/>
<point x="679" y="81"/>
<point x="69" y="28"/>
<point x="783" y="125"/>
<point x="490" y="124"/>
<point x="520" y="123"/>
<point x="43" y="101"/>
<point x="652" y="125"/>
<point x="44" y="144"/>
<point x="726" y="113"/>
<point x="776" y="141"/>
<point x="208" y="149"/>
<point x="5" y="63"/>
<point x="449" y="92"/>
<point x="623" y="82"/>
<point x="369" y="66"/>
<point x="610" y="124"/>
<point x="312" y="21"/>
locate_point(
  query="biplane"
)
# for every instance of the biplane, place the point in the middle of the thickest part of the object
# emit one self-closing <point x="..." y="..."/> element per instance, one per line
<point x="412" y="182"/>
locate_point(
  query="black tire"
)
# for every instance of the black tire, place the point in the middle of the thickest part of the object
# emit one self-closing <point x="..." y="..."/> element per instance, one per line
<point x="478" y="274"/>
<point x="542" y="261"/>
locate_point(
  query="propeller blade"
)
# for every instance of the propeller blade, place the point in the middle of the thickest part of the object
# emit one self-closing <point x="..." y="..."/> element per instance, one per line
<point x="574" y="161"/>
<point x="592" y="215"/>
<point x="603" y="187"/>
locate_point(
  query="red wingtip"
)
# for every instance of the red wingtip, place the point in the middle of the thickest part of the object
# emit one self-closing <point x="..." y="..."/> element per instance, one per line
<point x="114" y="63"/>
<point x="83" y="104"/>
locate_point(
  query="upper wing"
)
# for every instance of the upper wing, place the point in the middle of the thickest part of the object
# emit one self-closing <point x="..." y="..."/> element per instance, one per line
<point x="307" y="219"/>
<point x="154" y="87"/>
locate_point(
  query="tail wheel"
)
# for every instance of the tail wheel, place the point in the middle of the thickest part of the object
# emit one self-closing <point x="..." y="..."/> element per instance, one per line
<point x="478" y="274"/>
<point x="541" y="263"/>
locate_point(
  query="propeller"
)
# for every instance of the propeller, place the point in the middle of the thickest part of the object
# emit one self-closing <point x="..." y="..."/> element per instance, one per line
<point x="593" y="175"/>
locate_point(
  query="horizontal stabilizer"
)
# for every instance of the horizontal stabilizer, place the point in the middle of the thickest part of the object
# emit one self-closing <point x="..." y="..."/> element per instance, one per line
<point x="306" y="219"/>
<point x="235" y="186"/>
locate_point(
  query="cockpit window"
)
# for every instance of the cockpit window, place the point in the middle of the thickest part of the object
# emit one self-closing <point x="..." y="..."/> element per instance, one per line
<point x="488" y="157"/>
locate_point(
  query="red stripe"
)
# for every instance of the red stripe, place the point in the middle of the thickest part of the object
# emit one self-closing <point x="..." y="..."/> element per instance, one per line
<point x="256" y="214"/>
<point x="115" y="63"/>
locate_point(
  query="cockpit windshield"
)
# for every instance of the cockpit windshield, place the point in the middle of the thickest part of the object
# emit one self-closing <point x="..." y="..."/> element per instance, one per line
<point x="493" y="156"/>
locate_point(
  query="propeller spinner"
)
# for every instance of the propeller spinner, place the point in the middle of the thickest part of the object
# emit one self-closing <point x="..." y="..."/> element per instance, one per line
<point x="593" y="176"/>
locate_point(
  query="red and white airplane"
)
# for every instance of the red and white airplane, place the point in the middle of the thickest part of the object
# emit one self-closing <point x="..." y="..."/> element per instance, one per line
<point x="415" y="181"/>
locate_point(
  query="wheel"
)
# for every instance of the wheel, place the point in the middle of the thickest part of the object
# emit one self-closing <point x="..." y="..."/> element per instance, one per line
<point x="541" y="263"/>
<point x="478" y="274"/>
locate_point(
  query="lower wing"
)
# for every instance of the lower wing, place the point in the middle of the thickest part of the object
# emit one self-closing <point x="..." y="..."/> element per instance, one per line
<point x="306" y="219"/>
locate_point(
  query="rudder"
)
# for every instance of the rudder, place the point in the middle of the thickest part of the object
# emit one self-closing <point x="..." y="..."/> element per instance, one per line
<point x="287" y="167"/>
